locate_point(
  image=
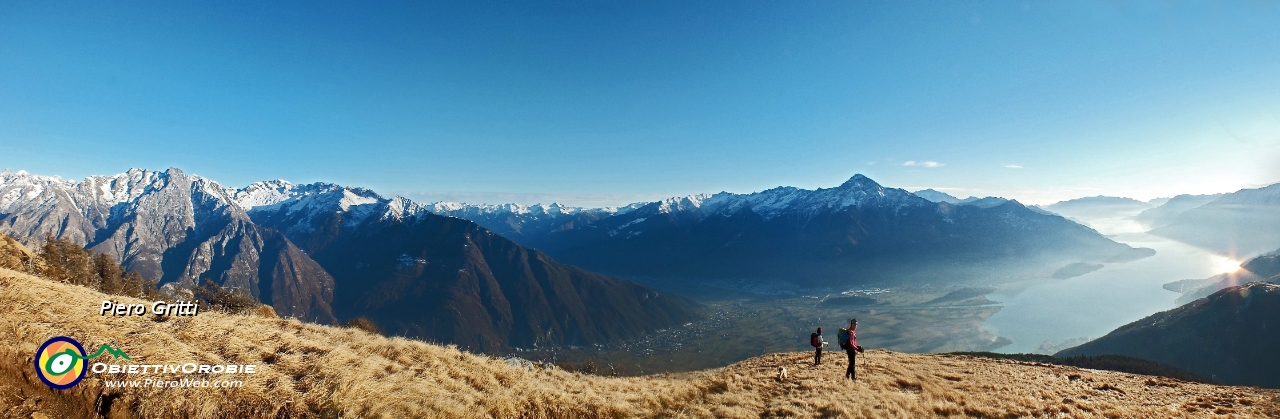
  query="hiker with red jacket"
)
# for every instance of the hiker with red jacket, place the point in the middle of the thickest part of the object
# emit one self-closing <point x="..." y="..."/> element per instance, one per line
<point x="815" y="339"/>
<point x="848" y="339"/>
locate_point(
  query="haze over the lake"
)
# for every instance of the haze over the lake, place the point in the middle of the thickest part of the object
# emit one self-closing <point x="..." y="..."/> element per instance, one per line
<point x="616" y="102"/>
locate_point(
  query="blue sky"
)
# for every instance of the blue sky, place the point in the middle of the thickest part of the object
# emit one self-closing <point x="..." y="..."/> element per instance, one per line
<point x="599" y="103"/>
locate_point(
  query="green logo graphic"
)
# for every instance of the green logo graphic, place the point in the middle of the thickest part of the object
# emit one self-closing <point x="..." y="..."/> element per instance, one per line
<point x="60" y="361"/>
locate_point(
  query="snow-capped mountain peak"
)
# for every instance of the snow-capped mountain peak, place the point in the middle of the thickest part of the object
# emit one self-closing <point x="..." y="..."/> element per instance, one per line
<point x="861" y="182"/>
<point x="96" y="196"/>
<point x="553" y="210"/>
<point x="771" y="203"/>
<point x="683" y="203"/>
<point x="265" y="193"/>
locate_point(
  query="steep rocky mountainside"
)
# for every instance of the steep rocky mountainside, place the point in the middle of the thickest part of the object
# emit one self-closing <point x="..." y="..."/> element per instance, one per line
<point x="1227" y="336"/>
<point x="172" y="227"/>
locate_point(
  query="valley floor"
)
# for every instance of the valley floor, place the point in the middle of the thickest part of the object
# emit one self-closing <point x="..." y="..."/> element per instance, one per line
<point x="308" y="370"/>
<point x="735" y="330"/>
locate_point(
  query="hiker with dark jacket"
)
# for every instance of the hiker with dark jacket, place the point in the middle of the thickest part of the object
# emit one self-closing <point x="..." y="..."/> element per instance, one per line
<point x="815" y="339"/>
<point x="849" y="342"/>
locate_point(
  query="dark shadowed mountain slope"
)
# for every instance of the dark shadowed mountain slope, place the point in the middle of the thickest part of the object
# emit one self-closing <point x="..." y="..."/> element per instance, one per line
<point x="1244" y="223"/>
<point x="857" y="232"/>
<point x="171" y="227"/>
<point x="1230" y="336"/>
<point x="1265" y="267"/>
<point x="444" y="278"/>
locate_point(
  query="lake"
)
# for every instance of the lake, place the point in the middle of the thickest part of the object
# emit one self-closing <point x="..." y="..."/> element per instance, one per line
<point x="1047" y="315"/>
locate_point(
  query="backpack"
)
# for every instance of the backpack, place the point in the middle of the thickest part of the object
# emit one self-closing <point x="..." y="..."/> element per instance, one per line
<point x="815" y="340"/>
<point x="843" y="338"/>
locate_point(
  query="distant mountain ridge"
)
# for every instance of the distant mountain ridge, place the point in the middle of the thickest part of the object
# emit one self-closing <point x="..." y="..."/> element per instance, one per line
<point x="1108" y="213"/>
<point x="322" y="252"/>
<point x="938" y="196"/>
<point x="518" y="221"/>
<point x="1098" y="206"/>
<point x="1244" y="223"/>
<point x="1165" y="213"/>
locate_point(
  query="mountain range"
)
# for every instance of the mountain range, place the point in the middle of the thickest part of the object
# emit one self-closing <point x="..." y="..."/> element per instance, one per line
<point x="477" y="275"/>
<point x="856" y="233"/>
<point x="525" y="223"/>
<point x="325" y="253"/>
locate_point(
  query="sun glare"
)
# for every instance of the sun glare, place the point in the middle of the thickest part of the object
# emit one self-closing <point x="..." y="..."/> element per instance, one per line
<point x="1226" y="265"/>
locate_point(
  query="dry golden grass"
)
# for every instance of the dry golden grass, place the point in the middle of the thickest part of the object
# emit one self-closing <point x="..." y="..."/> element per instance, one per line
<point x="308" y="370"/>
<point x="14" y="255"/>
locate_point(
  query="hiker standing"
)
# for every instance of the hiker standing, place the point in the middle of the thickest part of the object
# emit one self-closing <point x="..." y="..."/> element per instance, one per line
<point x="815" y="339"/>
<point x="849" y="342"/>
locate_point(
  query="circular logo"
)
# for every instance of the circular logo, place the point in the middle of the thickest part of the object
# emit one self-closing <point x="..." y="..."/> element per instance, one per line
<point x="60" y="362"/>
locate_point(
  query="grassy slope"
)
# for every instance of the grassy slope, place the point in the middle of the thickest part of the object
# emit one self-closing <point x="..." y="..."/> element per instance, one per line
<point x="318" y="371"/>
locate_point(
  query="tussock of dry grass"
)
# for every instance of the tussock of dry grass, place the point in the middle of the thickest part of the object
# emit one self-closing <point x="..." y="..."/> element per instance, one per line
<point x="317" y="371"/>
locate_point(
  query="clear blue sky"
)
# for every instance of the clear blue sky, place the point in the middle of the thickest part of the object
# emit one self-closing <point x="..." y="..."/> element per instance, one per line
<point x="596" y="103"/>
